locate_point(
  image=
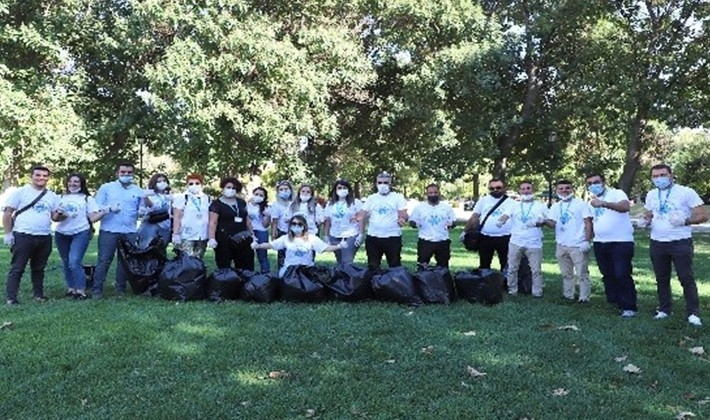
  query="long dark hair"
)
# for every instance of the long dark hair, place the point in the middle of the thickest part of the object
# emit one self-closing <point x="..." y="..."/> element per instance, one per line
<point x="82" y="182"/>
<point x="303" y="221"/>
<point x="297" y="199"/>
<point x="265" y="203"/>
<point x="333" y="196"/>
<point x="154" y="180"/>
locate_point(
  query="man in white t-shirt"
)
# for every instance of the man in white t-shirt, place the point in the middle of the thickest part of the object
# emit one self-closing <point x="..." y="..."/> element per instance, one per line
<point x="613" y="243"/>
<point x="433" y="219"/>
<point x="526" y="218"/>
<point x="27" y="222"/>
<point x="572" y="221"/>
<point x="670" y="210"/>
<point x="494" y="239"/>
<point x="386" y="213"/>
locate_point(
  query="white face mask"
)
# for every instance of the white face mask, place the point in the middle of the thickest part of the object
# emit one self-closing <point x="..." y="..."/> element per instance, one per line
<point x="194" y="189"/>
<point x="564" y="197"/>
<point x="257" y="199"/>
<point x="383" y="189"/>
<point x="161" y="186"/>
<point x="74" y="190"/>
<point x="229" y="192"/>
<point x="342" y="193"/>
<point x="304" y="197"/>
<point x="527" y="197"/>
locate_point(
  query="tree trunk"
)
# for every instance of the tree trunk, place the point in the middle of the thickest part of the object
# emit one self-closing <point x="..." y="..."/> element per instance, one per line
<point x="634" y="148"/>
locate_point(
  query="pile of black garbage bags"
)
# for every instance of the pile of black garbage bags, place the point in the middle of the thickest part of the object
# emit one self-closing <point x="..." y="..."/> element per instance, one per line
<point x="185" y="278"/>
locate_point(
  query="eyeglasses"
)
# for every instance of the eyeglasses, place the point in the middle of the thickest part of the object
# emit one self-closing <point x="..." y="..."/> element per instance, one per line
<point x="193" y="183"/>
<point x="495" y="188"/>
<point x="297" y="224"/>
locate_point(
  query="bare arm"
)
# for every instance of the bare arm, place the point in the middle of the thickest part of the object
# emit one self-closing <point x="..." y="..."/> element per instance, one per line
<point x="697" y="215"/>
<point x="212" y="226"/>
<point x="588" y="229"/>
<point x="7" y="220"/>
<point x="177" y="220"/>
<point x="472" y="221"/>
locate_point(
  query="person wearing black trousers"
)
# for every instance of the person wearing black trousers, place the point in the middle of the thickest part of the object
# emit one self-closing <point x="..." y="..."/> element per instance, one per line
<point x="229" y="217"/>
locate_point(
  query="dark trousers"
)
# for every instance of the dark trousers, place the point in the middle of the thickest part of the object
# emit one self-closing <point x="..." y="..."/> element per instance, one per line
<point x="614" y="261"/>
<point x="280" y="254"/>
<point x="390" y="247"/>
<point x="440" y="250"/>
<point x="680" y="255"/>
<point x="489" y="245"/>
<point x="227" y="252"/>
<point x="34" y="249"/>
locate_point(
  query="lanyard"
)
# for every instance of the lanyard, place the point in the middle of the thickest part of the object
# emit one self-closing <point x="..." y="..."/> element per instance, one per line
<point x="197" y="202"/>
<point x="663" y="204"/>
<point x="525" y="215"/>
<point x="564" y="213"/>
<point x="234" y="208"/>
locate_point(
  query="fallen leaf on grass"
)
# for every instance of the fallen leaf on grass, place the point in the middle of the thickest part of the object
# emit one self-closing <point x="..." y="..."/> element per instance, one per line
<point x="390" y="361"/>
<point x="704" y="401"/>
<point x="6" y="325"/>
<point x="631" y="368"/>
<point x="697" y="350"/>
<point x="465" y="385"/>
<point x="560" y="392"/>
<point x="310" y="413"/>
<point x="279" y="374"/>
<point x="684" y="415"/>
<point x="689" y="396"/>
<point x="84" y="402"/>
<point x="474" y="373"/>
<point x="428" y="349"/>
<point x="245" y="403"/>
<point x="568" y="327"/>
<point x="469" y="333"/>
<point x="620" y="359"/>
<point x="410" y="313"/>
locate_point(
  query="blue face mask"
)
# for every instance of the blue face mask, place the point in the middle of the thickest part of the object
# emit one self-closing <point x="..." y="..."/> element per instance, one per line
<point x="662" y="182"/>
<point x="125" y="179"/>
<point x="297" y="230"/>
<point x="284" y="195"/>
<point x="596" y="189"/>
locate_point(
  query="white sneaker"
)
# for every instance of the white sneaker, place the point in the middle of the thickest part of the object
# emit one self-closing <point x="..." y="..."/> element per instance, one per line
<point x="695" y="321"/>
<point x="628" y="314"/>
<point x="660" y="315"/>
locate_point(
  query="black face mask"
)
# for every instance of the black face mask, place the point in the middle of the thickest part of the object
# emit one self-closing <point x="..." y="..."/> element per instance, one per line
<point x="433" y="199"/>
<point x="497" y="194"/>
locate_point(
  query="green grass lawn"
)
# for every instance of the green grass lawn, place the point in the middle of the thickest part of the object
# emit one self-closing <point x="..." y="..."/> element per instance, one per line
<point x="542" y="358"/>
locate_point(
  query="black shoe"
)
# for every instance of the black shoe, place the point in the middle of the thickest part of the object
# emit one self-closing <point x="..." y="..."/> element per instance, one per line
<point x="70" y="294"/>
<point x="79" y="296"/>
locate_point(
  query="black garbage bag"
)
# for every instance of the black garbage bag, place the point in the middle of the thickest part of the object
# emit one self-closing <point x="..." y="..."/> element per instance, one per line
<point x="256" y="287"/>
<point x="243" y="237"/>
<point x="303" y="283"/>
<point x="143" y="264"/>
<point x="350" y="283"/>
<point x="224" y="284"/>
<point x="435" y="285"/>
<point x="524" y="277"/>
<point x="183" y="278"/>
<point x="89" y="271"/>
<point x="395" y="284"/>
<point x="480" y="286"/>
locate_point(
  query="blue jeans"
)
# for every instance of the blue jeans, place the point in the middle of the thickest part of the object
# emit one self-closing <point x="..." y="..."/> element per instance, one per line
<point x="261" y="255"/>
<point x="347" y="255"/>
<point x="72" y="249"/>
<point x="108" y="245"/>
<point x="614" y="261"/>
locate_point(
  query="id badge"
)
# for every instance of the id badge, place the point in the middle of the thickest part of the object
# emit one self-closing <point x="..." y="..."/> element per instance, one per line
<point x="238" y="219"/>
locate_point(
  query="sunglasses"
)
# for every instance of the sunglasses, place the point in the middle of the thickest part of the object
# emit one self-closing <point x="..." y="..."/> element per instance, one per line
<point x="297" y="224"/>
<point x="495" y="188"/>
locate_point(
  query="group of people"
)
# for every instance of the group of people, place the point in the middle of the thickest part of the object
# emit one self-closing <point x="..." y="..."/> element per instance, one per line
<point x="239" y="230"/>
<point x="603" y="224"/>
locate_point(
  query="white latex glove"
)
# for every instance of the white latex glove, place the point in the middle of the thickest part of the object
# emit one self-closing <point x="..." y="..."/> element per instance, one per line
<point x="9" y="239"/>
<point x="358" y="240"/>
<point x="212" y="243"/>
<point x="461" y="236"/>
<point x="585" y="247"/>
<point x="115" y="208"/>
<point x="177" y="240"/>
<point x="531" y="223"/>
<point x="326" y="239"/>
<point x="254" y="245"/>
<point x="676" y="220"/>
<point x="169" y="198"/>
<point x="147" y="193"/>
<point x="343" y="244"/>
<point x="643" y="222"/>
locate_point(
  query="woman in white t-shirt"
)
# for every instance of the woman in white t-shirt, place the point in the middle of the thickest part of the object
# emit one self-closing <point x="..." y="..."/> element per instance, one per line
<point x="279" y="215"/>
<point x="305" y="204"/>
<point x="76" y="211"/>
<point x="298" y="244"/>
<point x="341" y="221"/>
<point x="156" y="210"/>
<point x="260" y="215"/>
<point x="190" y="218"/>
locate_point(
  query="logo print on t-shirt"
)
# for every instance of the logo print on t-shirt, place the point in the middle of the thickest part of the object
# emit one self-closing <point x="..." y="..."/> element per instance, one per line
<point x="435" y="219"/>
<point x="383" y="210"/>
<point x="41" y="207"/>
<point x="564" y="218"/>
<point x="339" y="210"/>
<point x="301" y="252"/>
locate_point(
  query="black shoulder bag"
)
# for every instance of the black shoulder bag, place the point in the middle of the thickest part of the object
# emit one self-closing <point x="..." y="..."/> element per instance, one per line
<point x="27" y="207"/>
<point x="472" y="236"/>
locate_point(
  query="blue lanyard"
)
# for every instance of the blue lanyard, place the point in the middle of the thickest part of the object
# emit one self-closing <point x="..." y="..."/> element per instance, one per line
<point x="564" y="213"/>
<point x="523" y="215"/>
<point x="663" y="204"/>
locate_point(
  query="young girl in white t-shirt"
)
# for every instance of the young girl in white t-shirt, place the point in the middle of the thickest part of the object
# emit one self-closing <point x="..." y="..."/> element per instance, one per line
<point x="298" y="244"/>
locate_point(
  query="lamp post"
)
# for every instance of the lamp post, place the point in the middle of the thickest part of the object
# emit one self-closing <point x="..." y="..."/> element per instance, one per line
<point x="147" y="99"/>
<point x="551" y="140"/>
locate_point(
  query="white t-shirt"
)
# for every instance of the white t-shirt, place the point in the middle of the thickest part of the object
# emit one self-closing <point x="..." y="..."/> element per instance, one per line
<point x="256" y="217"/>
<point x="383" y="214"/>
<point x="484" y="205"/>
<point x="433" y="221"/>
<point x="520" y="214"/>
<point x="38" y="219"/>
<point x="677" y="201"/>
<point x="279" y="212"/>
<point x="195" y="215"/>
<point x="77" y="207"/>
<point x="610" y="225"/>
<point x="299" y="251"/>
<point x="569" y="221"/>
<point x="340" y="215"/>
<point x="313" y="219"/>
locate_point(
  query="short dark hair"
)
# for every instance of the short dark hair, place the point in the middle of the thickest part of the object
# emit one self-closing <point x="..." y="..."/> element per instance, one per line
<point x="125" y="163"/>
<point x="564" y="182"/>
<point x="231" y="180"/>
<point x="661" y="166"/>
<point x="496" y="179"/>
<point x="432" y="185"/>
<point x="39" y="168"/>
<point x="526" y="181"/>
<point x="599" y="174"/>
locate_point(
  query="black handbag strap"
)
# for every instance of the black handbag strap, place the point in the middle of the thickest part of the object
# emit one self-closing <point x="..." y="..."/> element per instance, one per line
<point x="29" y="206"/>
<point x="493" y="209"/>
